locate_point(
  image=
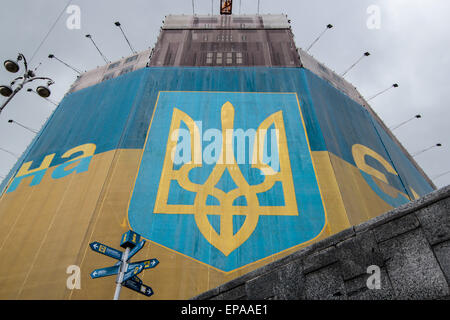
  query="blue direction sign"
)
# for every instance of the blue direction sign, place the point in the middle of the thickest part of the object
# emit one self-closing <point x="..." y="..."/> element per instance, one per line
<point x="136" y="249"/>
<point x="136" y="284"/>
<point x="104" y="272"/>
<point x="104" y="249"/>
<point x="137" y="279"/>
<point x="129" y="239"/>
<point x="147" y="264"/>
<point x="136" y="270"/>
<point x="127" y="277"/>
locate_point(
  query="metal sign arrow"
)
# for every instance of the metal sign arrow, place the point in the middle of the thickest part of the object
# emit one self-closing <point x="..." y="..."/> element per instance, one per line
<point x="147" y="264"/>
<point x="136" y="270"/>
<point x="137" y="279"/>
<point x="104" y="272"/>
<point x="107" y="251"/>
<point x="126" y="272"/>
<point x="136" y="249"/>
<point x="136" y="284"/>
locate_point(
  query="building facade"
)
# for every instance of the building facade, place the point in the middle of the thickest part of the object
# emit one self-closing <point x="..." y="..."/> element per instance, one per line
<point x="225" y="147"/>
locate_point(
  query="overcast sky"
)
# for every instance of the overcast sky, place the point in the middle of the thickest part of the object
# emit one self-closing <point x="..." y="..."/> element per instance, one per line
<point x="410" y="48"/>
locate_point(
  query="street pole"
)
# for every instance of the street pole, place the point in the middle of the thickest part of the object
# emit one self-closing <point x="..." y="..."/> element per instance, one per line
<point x="23" y="126"/>
<point x="19" y="87"/>
<point x="123" y="269"/>
<point x="28" y="76"/>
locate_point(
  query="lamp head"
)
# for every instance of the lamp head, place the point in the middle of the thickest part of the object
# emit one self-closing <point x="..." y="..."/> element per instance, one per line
<point x="11" y="66"/>
<point x="43" y="91"/>
<point x="329" y="26"/>
<point x="367" y="54"/>
<point x="117" y="23"/>
<point x="395" y="85"/>
<point x="6" y="91"/>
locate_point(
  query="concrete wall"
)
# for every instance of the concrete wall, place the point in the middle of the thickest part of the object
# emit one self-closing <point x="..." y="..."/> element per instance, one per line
<point x="410" y="244"/>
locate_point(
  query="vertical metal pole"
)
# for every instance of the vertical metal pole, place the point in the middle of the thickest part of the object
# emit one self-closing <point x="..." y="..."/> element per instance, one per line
<point x="20" y="86"/>
<point x="123" y="269"/>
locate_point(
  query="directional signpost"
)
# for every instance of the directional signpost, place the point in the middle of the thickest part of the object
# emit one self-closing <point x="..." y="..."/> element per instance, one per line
<point x="107" y="251"/>
<point x="126" y="271"/>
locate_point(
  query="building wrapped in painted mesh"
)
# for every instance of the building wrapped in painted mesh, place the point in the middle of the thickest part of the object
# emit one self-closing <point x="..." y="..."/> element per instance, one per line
<point x="225" y="147"/>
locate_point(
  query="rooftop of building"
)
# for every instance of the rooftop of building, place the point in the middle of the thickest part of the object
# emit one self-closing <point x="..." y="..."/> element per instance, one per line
<point x="265" y="21"/>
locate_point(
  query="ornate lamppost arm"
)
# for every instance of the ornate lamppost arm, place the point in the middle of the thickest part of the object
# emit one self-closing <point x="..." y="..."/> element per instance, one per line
<point x="28" y="76"/>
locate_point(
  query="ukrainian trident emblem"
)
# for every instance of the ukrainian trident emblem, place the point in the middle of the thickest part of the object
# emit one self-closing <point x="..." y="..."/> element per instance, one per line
<point x="225" y="239"/>
<point x="227" y="178"/>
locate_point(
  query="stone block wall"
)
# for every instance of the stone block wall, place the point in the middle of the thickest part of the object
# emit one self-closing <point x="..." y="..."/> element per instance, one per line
<point x="410" y="245"/>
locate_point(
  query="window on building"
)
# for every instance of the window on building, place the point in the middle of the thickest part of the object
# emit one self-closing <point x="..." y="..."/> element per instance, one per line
<point x="108" y="76"/>
<point x="131" y="58"/>
<point x="113" y="65"/>
<point x="209" y="58"/>
<point x="239" y="57"/>
<point x="229" y="57"/>
<point x="219" y="58"/>
<point x="126" y="70"/>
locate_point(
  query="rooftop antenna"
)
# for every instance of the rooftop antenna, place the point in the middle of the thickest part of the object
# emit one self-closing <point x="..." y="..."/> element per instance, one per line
<point x="395" y="85"/>
<point x="52" y="56"/>
<point x="329" y="26"/>
<point x="193" y="11"/>
<point x="366" y="54"/>
<point x="258" y="7"/>
<point x="240" y="2"/>
<point x="117" y="23"/>
<point x="104" y="58"/>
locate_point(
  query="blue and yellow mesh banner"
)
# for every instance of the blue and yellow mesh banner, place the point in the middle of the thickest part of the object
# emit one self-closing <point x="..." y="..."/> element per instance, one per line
<point x="223" y="170"/>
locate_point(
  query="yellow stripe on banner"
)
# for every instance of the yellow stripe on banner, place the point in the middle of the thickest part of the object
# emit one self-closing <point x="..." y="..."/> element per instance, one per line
<point x="337" y="216"/>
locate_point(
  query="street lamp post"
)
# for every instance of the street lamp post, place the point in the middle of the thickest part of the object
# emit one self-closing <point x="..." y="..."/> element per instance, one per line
<point x="426" y="149"/>
<point x="395" y="85"/>
<point x="11" y="153"/>
<point x="366" y="54"/>
<point x="48" y="99"/>
<point x="329" y="26"/>
<point x="28" y="76"/>
<point x="417" y="116"/>
<point x="22" y="125"/>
